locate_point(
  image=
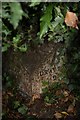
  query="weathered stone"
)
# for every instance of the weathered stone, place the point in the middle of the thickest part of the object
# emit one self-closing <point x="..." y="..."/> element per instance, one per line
<point x="31" y="68"/>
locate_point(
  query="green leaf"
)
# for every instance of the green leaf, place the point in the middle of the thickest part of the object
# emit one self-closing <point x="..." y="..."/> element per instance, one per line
<point x="5" y="30"/>
<point x="46" y="20"/>
<point x="58" y="20"/>
<point x="5" y="47"/>
<point x="23" y="109"/>
<point x="46" y="99"/>
<point x="44" y="83"/>
<point x="16" y="13"/>
<point x="58" y="11"/>
<point x="5" y="11"/>
<point x="34" y="3"/>
<point x="23" y="48"/>
<point x="16" y="40"/>
<point x="16" y="104"/>
<point x="45" y="90"/>
<point x="43" y="29"/>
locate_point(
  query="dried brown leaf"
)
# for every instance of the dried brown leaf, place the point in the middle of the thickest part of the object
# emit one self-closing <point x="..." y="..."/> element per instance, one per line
<point x="58" y="115"/>
<point x="66" y="94"/>
<point x="70" y="109"/>
<point x="64" y="113"/>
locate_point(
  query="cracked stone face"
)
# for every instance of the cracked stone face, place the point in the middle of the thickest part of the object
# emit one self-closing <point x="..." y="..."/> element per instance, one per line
<point x="31" y="68"/>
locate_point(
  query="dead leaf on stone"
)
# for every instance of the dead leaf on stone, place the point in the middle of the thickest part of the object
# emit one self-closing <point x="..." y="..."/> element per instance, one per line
<point x="71" y="109"/>
<point x="35" y="96"/>
<point x="64" y="113"/>
<point x="65" y="93"/>
<point x="58" y="115"/>
<point x="34" y="114"/>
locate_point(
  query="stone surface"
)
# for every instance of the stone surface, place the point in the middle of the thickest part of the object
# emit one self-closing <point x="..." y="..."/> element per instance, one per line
<point x="31" y="68"/>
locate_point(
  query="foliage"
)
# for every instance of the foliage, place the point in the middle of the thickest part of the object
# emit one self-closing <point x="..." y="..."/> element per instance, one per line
<point x="51" y="20"/>
<point x="45" y="20"/>
<point x="47" y="23"/>
<point x="20" y="107"/>
<point x="13" y="15"/>
<point x="35" y="2"/>
<point x="5" y="33"/>
<point x="49" y="92"/>
<point x="16" y="41"/>
<point x="51" y="23"/>
<point x="72" y="62"/>
<point x="7" y="81"/>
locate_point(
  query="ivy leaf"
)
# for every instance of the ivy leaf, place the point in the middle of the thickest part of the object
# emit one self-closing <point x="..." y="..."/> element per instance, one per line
<point x="45" y="83"/>
<point x="5" y="11"/>
<point x="23" y="109"/>
<point x="46" y="20"/>
<point x="43" y="29"/>
<point x="16" y="13"/>
<point x="5" y="30"/>
<point x="16" y="40"/>
<point x="46" y="99"/>
<point x="58" y="20"/>
<point x="58" y="115"/>
<point x="23" y="48"/>
<point x="34" y="3"/>
<point x="5" y="47"/>
<point x="16" y="104"/>
<point x="58" y="11"/>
